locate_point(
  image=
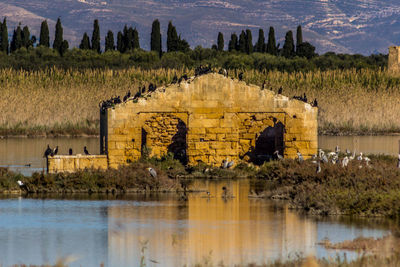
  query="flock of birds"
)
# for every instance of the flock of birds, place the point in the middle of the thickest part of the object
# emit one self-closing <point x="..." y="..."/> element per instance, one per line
<point x="334" y="158"/>
<point x="54" y="151"/>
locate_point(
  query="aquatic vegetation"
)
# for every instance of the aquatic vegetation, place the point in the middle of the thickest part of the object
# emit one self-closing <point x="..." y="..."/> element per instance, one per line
<point x="367" y="190"/>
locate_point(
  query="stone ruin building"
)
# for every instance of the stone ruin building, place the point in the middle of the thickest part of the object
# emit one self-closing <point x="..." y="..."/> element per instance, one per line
<point x="207" y="118"/>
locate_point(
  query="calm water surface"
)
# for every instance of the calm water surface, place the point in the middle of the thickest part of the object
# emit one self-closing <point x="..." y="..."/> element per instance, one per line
<point x="164" y="231"/>
<point x="17" y="152"/>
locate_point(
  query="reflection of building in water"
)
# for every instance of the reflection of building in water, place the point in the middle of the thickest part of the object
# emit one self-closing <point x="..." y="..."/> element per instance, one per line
<point x="233" y="230"/>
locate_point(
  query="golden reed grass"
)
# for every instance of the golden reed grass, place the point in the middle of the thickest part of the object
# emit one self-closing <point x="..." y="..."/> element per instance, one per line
<point x="350" y="101"/>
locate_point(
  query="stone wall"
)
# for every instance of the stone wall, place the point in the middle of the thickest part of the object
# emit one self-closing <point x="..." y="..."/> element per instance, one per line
<point x="394" y="61"/>
<point x="210" y="118"/>
<point x="73" y="163"/>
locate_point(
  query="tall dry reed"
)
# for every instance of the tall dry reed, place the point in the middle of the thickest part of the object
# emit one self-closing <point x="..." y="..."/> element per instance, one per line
<point x="350" y="101"/>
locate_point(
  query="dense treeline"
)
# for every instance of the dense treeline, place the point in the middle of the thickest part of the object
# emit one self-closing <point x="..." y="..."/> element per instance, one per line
<point x="26" y="52"/>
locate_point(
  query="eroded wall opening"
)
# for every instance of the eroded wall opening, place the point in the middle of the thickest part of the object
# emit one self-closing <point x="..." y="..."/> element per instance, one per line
<point x="260" y="135"/>
<point x="166" y="133"/>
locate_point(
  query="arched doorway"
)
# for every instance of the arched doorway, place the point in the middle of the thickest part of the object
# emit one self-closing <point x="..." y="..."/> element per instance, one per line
<point x="165" y="133"/>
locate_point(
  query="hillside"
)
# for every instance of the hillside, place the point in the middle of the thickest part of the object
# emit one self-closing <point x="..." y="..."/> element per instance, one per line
<point x="358" y="26"/>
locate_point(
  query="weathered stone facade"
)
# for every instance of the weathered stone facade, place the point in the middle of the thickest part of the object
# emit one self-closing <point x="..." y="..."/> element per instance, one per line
<point x="64" y="163"/>
<point x="394" y="61"/>
<point x="210" y="118"/>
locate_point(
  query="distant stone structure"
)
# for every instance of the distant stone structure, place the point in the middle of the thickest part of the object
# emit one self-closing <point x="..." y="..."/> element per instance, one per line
<point x="394" y="61"/>
<point x="208" y="118"/>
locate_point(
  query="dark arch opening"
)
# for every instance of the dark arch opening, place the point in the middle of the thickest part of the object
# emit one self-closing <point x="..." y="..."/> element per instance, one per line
<point x="271" y="139"/>
<point x="178" y="147"/>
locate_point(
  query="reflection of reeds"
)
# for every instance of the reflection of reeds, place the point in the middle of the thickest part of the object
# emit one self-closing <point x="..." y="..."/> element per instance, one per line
<point x="59" y="101"/>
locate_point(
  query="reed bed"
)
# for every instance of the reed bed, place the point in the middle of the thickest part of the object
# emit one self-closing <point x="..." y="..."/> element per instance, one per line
<point x="54" y="101"/>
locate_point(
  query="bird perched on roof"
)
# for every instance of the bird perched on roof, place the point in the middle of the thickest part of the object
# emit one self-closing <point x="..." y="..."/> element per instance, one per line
<point x="86" y="151"/>
<point x="47" y="152"/>
<point x="152" y="172"/>
<point x="315" y="103"/>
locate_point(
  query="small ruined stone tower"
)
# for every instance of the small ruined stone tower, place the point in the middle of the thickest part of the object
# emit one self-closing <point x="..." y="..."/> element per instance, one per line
<point x="394" y="61"/>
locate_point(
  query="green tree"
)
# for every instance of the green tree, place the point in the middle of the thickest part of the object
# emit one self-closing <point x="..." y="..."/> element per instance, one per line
<point x="183" y="45"/>
<point x="233" y="43"/>
<point x="44" y="34"/>
<point x="288" y="47"/>
<point x="242" y="42"/>
<point x="299" y="36"/>
<point x="120" y="42"/>
<point x="260" y="46"/>
<point x="135" y="39"/>
<point x="85" y="42"/>
<point x="172" y="38"/>
<point x="305" y="49"/>
<point x="220" y="41"/>
<point x="64" y="47"/>
<point x="4" y="37"/>
<point x="128" y="38"/>
<point x="155" y="40"/>
<point x="16" y="42"/>
<point x="249" y="42"/>
<point x="271" y="45"/>
<point x="96" y="36"/>
<point x="58" y="39"/>
<point x="26" y="35"/>
<point x="109" y="41"/>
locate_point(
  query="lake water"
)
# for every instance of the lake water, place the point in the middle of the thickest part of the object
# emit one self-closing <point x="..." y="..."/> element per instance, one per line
<point x="17" y="152"/>
<point x="164" y="231"/>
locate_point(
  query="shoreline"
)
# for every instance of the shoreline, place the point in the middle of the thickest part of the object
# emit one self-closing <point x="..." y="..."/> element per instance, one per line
<point x="91" y="134"/>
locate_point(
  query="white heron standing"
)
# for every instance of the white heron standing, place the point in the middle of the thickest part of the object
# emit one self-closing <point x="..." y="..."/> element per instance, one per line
<point x="345" y="162"/>
<point x="300" y="157"/>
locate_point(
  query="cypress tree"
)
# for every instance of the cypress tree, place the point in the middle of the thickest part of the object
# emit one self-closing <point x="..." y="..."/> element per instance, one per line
<point x="233" y="43"/>
<point x="58" y="39"/>
<point x="242" y="42"/>
<point x="155" y="40"/>
<point x="26" y="42"/>
<point x="96" y="36"/>
<point x="271" y="45"/>
<point x="135" y="39"/>
<point x="1" y="34"/>
<point x="4" y="36"/>
<point x="249" y="42"/>
<point x="172" y="38"/>
<point x="85" y="43"/>
<point x="128" y="38"/>
<point x="109" y="41"/>
<point x="288" y="47"/>
<point x="16" y="42"/>
<point x="220" y="41"/>
<point x="260" y="46"/>
<point x="299" y="36"/>
<point x="120" y="42"/>
<point x="44" y="34"/>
